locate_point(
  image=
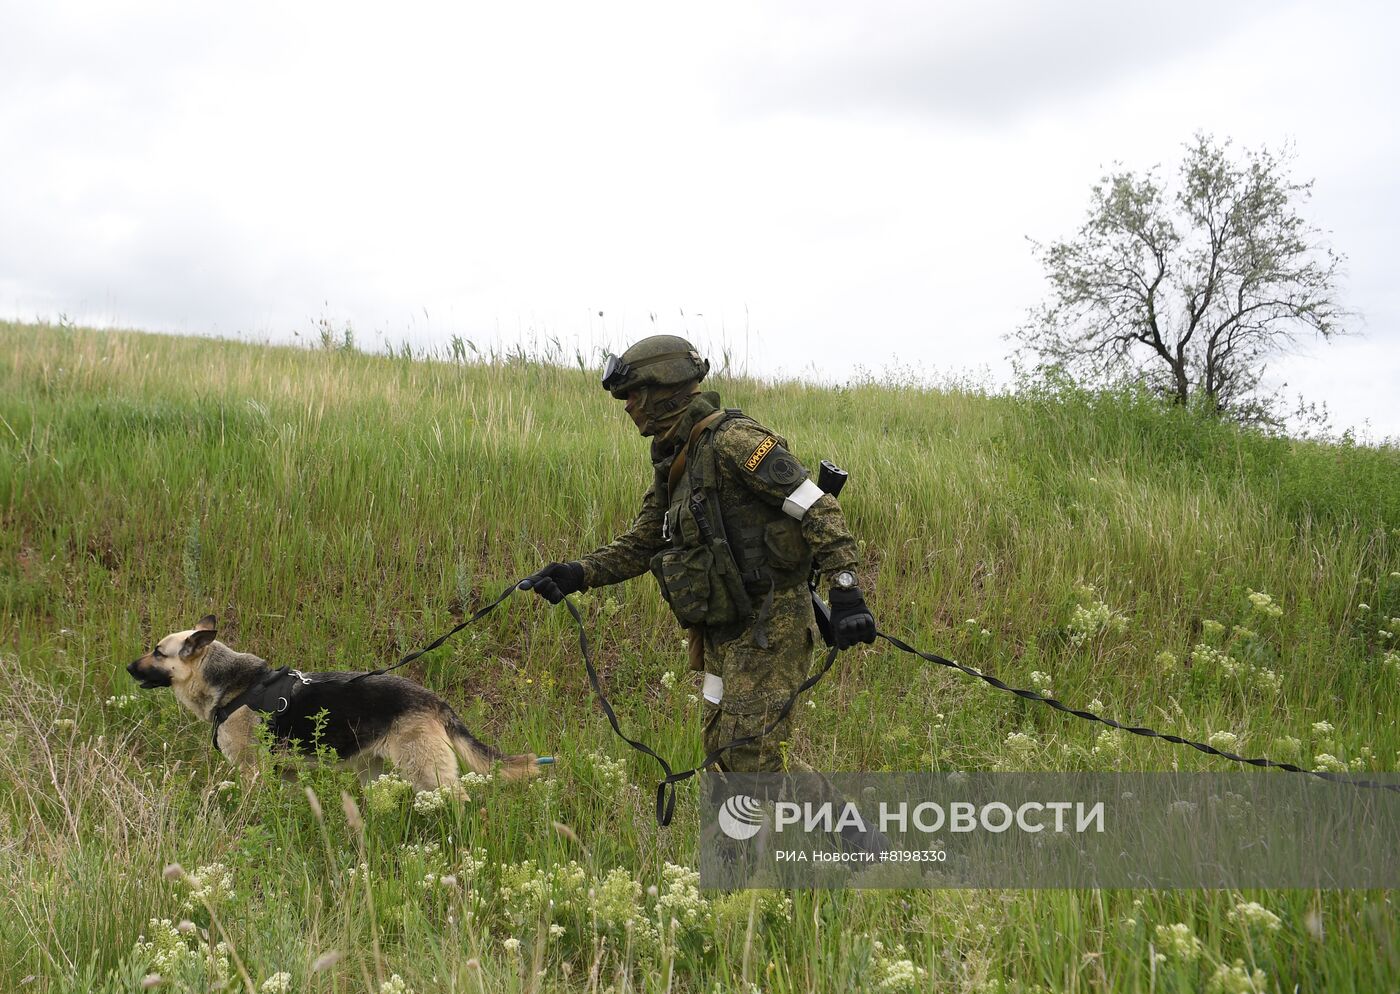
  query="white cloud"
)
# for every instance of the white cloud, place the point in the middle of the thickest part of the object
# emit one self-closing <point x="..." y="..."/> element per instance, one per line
<point x="828" y="186"/>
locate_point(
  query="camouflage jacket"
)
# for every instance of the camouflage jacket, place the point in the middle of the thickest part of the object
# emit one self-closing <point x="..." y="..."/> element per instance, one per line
<point x="753" y="465"/>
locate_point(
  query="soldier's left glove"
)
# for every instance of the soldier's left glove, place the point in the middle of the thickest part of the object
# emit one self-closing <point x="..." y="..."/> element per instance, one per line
<point x="555" y="581"/>
<point x="851" y="620"/>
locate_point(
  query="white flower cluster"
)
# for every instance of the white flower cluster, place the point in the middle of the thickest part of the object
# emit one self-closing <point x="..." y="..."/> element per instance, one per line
<point x="895" y="972"/>
<point x="1089" y="621"/>
<point x="1226" y="741"/>
<point x="1323" y="729"/>
<point x="1208" y="657"/>
<point x="1040" y="681"/>
<point x="680" y="905"/>
<point x="211" y="884"/>
<point x="1252" y="914"/>
<point x="611" y="773"/>
<point x="122" y="700"/>
<point x="668" y="679"/>
<point x="278" y="983"/>
<point x="1265" y="604"/>
<point x="1020" y="751"/>
<point x="733" y="909"/>
<point x="1177" y="941"/>
<point x="395" y="985"/>
<point x="1392" y="661"/>
<point x="529" y="891"/>
<point x="1212" y="631"/>
<point x="1109" y="744"/>
<point x="428" y="801"/>
<point x="1325" y="762"/>
<point x="172" y="951"/>
<point x="384" y="794"/>
<point x="1237" y="979"/>
<point x="1286" y="745"/>
<point x="615" y="903"/>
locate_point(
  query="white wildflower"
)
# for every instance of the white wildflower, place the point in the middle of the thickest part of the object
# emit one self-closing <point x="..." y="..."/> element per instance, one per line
<point x="1252" y="914"/>
<point x="556" y="930"/>
<point x="395" y="985"/>
<point x="1178" y="941"/>
<point x="278" y="983"/>
<point x="383" y="794"/>
<point x="1040" y="681"/>
<point x="512" y="944"/>
<point x="1087" y="622"/>
<point x="1323" y="729"/>
<point x="681" y="901"/>
<point x="427" y="801"/>
<point x="1325" y="762"/>
<point x="1264" y="604"/>
<point x="1237" y="979"/>
<point x="211" y="884"/>
<point x="668" y="679"/>
<point x="1109" y="744"/>
<point x="1224" y="740"/>
<point x="1212" y="630"/>
<point x="1286" y="745"/>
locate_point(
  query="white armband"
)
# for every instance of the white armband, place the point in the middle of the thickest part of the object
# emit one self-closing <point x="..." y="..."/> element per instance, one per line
<point x="802" y="498"/>
<point x="713" y="689"/>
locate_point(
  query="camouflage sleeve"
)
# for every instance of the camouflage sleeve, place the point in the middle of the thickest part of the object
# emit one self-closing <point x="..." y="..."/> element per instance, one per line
<point x="762" y="463"/>
<point x="630" y="553"/>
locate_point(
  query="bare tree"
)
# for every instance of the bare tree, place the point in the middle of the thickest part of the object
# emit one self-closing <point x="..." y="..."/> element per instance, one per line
<point x="1192" y="290"/>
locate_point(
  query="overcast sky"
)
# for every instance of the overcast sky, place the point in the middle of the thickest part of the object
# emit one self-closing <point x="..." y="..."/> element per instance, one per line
<point x="818" y="186"/>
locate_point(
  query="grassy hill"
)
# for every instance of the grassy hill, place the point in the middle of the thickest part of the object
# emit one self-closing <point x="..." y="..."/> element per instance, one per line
<point x="336" y="509"/>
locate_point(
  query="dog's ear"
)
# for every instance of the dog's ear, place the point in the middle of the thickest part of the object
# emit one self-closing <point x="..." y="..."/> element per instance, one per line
<point x="206" y="624"/>
<point x="199" y="639"/>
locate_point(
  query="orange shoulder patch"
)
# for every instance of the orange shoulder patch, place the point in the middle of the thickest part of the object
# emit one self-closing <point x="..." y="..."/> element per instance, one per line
<point x="759" y="454"/>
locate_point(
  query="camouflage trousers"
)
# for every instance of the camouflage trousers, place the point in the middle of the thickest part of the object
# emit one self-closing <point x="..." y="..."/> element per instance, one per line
<point x="757" y="682"/>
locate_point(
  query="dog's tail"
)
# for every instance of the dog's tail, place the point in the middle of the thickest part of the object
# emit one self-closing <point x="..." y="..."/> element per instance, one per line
<point x="482" y="758"/>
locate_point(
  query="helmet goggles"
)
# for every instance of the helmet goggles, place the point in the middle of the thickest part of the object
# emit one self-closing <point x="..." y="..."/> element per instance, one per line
<point x="617" y="372"/>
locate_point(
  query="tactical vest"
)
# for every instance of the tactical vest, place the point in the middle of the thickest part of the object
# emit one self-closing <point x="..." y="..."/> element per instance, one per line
<point x="727" y="551"/>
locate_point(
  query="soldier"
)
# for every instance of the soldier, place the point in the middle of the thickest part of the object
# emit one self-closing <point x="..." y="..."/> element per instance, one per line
<point x="731" y="527"/>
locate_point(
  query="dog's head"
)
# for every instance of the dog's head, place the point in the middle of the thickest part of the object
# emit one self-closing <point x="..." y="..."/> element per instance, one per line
<point x="175" y="658"/>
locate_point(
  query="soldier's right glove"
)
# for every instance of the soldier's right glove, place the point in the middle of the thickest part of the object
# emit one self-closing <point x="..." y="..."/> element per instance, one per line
<point x="555" y="581"/>
<point x="851" y="620"/>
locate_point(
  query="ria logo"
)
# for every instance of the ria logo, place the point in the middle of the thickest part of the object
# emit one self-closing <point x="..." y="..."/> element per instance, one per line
<point x="740" y="817"/>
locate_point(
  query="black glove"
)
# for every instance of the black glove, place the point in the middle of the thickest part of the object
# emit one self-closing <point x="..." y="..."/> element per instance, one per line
<point x="556" y="580"/>
<point x="851" y="620"/>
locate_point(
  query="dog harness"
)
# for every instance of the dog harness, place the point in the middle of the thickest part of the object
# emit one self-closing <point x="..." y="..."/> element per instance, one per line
<point x="273" y="694"/>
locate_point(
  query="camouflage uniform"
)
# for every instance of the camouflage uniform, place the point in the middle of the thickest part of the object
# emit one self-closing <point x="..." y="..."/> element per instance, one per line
<point x="764" y="655"/>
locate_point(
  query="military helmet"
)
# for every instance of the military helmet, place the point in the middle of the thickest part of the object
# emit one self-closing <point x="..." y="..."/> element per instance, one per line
<point x="661" y="360"/>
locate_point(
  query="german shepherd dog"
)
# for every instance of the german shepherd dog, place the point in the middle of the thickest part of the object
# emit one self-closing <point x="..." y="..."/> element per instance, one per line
<point x="368" y="718"/>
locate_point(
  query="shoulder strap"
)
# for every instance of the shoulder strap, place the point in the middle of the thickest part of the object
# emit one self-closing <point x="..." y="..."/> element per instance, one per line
<point x="678" y="467"/>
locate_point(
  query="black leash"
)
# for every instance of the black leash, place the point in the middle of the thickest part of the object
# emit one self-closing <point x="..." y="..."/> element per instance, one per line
<point x="481" y="613"/>
<point x="1031" y="695"/>
<point x="666" y="788"/>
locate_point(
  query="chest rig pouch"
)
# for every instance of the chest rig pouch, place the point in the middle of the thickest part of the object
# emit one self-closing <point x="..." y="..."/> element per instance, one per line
<point x="718" y="565"/>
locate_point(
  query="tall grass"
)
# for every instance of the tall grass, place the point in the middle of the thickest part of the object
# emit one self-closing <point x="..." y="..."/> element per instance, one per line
<point x="335" y="509"/>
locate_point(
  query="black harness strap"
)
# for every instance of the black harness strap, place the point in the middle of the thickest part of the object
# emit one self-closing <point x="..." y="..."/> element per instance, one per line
<point x="263" y="696"/>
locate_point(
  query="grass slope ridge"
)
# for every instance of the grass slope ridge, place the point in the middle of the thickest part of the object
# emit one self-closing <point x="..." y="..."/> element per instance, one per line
<point x="336" y="509"/>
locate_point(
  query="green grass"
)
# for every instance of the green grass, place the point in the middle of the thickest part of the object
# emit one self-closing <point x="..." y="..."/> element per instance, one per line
<point x="336" y="509"/>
